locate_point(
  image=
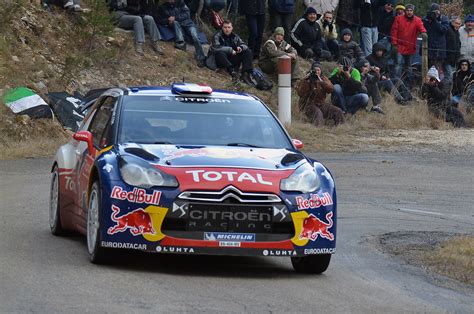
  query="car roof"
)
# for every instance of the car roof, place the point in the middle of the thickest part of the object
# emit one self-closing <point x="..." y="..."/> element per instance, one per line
<point x="168" y="91"/>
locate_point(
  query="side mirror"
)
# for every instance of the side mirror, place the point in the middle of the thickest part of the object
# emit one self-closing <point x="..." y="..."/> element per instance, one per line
<point x="84" y="136"/>
<point x="297" y="143"/>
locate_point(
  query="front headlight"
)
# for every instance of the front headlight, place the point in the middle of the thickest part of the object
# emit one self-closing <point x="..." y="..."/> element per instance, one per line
<point x="140" y="174"/>
<point x="303" y="180"/>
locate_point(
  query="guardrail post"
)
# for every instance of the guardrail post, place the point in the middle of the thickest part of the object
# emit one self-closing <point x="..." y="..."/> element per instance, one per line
<point x="284" y="89"/>
<point x="424" y="56"/>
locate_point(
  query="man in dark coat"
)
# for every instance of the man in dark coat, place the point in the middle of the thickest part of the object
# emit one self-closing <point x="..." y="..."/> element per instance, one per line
<point x="306" y="35"/>
<point x="137" y="15"/>
<point x="349" y="48"/>
<point x="368" y="10"/>
<point x="176" y="15"/>
<point x="453" y="44"/>
<point x="436" y="92"/>
<point x="386" y="15"/>
<point x="254" y="11"/>
<point x="228" y="51"/>
<point x="436" y="25"/>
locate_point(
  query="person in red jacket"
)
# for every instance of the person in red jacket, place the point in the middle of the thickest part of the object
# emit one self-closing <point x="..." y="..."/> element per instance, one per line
<point x="405" y="30"/>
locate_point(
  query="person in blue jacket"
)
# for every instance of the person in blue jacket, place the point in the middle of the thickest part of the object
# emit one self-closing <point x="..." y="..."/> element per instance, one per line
<point x="436" y="25"/>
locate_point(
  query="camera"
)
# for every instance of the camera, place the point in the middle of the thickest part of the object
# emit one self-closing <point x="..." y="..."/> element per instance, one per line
<point x="345" y="68"/>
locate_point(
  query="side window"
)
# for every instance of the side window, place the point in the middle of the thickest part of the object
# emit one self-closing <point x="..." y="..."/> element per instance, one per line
<point x="100" y="125"/>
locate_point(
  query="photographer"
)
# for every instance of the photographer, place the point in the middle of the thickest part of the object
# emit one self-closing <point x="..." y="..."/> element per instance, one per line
<point x="349" y="93"/>
<point x="436" y="26"/>
<point x="312" y="90"/>
<point x="436" y="92"/>
<point x="370" y="82"/>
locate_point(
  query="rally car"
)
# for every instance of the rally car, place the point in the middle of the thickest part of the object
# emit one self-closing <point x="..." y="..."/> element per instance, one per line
<point x="186" y="169"/>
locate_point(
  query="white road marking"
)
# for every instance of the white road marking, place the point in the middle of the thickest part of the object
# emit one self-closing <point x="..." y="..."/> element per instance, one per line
<point x="420" y="211"/>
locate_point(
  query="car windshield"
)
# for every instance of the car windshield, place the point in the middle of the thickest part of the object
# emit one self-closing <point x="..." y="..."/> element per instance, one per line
<point x="184" y="120"/>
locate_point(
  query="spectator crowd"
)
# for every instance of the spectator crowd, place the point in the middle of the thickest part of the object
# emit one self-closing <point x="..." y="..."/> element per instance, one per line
<point x="375" y="44"/>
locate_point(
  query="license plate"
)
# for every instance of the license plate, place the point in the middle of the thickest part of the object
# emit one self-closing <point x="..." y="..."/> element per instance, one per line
<point x="255" y="219"/>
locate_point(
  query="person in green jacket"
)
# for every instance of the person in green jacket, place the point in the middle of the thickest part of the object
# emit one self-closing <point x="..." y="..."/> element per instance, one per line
<point x="274" y="48"/>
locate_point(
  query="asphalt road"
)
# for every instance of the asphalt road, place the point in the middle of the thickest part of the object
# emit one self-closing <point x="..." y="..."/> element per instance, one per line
<point x="377" y="193"/>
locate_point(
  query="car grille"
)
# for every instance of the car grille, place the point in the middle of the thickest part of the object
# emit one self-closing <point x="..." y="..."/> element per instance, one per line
<point x="229" y="210"/>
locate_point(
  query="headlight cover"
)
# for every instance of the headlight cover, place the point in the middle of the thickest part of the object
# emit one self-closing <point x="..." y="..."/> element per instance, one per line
<point x="303" y="180"/>
<point x="138" y="173"/>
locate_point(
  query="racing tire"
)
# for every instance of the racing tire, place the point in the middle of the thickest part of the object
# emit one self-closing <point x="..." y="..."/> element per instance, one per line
<point x="97" y="254"/>
<point x="54" y="205"/>
<point x="313" y="264"/>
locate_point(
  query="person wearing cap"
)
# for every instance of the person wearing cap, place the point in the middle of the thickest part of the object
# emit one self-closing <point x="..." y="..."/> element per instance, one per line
<point x="399" y="9"/>
<point x="393" y="86"/>
<point x="349" y="93"/>
<point x="437" y="92"/>
<point x="312" y="90"/>
<point x="436" y="25"/>
<point x="281" y="13"/>
<point x="274" y="48"/>
<point x="306" y="35"/>
<point x="370" y="82"/>
<point x="348" y="47"/>
<point x="466" y="35"/>
<point x="347" y="16"/>
<point x="329" y="34"/>
<point x="369" y="34"/>
<point x="386" y="15"/>
<point x="405" y="31"/>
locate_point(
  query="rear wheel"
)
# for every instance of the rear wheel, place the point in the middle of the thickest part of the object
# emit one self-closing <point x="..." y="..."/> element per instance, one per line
<point x="54" y="206"/>
<point x="96" y="252"/>
<point x="313" y="264"/>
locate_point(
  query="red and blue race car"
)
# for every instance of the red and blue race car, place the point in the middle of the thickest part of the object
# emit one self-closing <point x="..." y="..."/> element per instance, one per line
<point x="190" y="170"/>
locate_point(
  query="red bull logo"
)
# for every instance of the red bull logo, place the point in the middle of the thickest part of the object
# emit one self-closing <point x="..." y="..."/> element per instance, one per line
<point x="138" y="221"/>
<point x="314" y="201"/>
<point x="313" y="226"/>
<point x="136" y="196"/>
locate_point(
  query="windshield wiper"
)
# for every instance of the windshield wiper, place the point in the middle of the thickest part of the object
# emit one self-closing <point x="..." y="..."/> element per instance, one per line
<point x="162" y="142"/>
<point x="242" y="144"/>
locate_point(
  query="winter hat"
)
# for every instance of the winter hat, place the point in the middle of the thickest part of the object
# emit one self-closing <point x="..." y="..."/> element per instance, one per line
<point x="434" y="7"/>
<point x="432" y="72"/>
<point x="410" y="7"/>
<point x="392" y="2"/>
<point x="359" y="64"/>
<point x="345" y="61"/>
<point x="400" y="7"/>
<point x="315" y="65"/>
<point x="279" y="31"/>
<point x="346" y="31"/>
<point x="310" y="10"/>
<point x="469" y="18"/>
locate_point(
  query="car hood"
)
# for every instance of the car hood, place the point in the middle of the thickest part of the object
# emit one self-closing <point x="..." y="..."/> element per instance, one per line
<point x="215" y="156"/>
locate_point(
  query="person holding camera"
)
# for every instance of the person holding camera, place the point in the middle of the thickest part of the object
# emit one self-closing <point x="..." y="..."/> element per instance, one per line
<point x="349" y="93"/>
<point x="312" y="90"/>
<point x="436" y="92"/>
<point x="370" y="77"/>
<point x="436" y="25"/>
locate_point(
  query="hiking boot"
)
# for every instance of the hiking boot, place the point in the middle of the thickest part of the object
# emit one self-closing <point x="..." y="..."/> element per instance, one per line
<point x="139" y="49"/>
<point x="201" y="63"/>
<point x="180" y="46"/>
<point x="377" y="109"/>
<point x="245" y="77"/>
<point x="69" y="5"/>
<point x="156" y="46"/>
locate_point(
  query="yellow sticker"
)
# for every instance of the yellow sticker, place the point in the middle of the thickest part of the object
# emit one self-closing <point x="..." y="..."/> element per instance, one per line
<point x="298" y="219"/>
<point x="157" y="215"/>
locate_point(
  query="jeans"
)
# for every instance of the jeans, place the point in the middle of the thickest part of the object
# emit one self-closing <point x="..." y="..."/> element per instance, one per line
<point x="139" y="24"/>
<point x="332" y="46"/>
<point x="369" y="36"/>
<point x="255" y="24"/>
<point x="192" y="32"/>
<point x="232" y="62"/>
<point x="449" y="71"/>
<point x="406" y="61"/>
<point x="397" y="88"/>
<point x="349" y="103"/>
<point x="283" y="20"/>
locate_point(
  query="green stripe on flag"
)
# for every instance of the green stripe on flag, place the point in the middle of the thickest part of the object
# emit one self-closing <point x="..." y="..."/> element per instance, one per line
<point x="16" y="94"/>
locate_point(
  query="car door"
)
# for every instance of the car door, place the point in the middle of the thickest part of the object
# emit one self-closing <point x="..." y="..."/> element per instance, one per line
<point x="100" y="128"/>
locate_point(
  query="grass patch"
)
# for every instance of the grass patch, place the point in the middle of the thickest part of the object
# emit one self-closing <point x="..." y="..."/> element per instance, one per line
<point x="453" y="258"/>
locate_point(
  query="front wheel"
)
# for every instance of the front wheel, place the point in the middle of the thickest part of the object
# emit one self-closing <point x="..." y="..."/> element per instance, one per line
<point x="97" y="253"/>
<point x="313" y="264"/>
<point x="54" y="206"/>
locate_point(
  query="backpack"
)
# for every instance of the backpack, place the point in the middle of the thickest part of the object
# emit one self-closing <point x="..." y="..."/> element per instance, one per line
<point x="217" y="20"/>
<point x="258" y="80"/>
